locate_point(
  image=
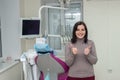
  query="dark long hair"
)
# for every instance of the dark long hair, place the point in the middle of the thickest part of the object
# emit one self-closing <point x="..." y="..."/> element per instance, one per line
<point x="74" y="37"/>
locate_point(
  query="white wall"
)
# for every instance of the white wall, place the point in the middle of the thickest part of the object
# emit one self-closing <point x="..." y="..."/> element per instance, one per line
<point x="10" y="15"/>
<point x="31" y="8"/>
<point x="10" y="39"/>
<point x="0" y="28"/>
<point x="102" y="18"/>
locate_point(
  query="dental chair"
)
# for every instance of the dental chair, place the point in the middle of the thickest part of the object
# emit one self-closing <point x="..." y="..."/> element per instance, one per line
<point x="50" y="66"/>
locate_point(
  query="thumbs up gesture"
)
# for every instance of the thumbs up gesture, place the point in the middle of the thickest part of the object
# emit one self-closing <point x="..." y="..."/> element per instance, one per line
<point x="87" y="50"/>
<point x="74" y="49"/>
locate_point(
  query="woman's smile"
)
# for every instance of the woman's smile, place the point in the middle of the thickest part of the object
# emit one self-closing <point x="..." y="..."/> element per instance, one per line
<point x="80" y="33"/>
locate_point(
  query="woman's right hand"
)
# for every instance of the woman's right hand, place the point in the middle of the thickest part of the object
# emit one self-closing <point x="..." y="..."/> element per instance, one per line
<point x="74" y="50"/>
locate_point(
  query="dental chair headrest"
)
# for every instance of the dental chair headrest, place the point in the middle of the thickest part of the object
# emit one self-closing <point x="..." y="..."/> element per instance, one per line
<point x="42" y="48"/>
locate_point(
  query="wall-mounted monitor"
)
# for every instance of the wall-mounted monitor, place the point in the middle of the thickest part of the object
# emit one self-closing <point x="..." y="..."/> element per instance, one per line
<point x="30" y="27"/>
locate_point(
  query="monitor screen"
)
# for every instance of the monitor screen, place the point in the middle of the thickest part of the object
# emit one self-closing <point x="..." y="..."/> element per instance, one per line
<point x="30" y="28"/>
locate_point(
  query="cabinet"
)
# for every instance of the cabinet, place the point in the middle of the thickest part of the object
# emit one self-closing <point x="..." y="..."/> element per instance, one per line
<point x="12" y="71"/>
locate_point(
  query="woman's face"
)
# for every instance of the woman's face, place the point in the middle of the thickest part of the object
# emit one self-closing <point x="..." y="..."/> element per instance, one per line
<point x="80" y="32"/>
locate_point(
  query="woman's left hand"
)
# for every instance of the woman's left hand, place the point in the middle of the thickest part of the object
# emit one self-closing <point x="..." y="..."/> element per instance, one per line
<point x="87" y="50"/>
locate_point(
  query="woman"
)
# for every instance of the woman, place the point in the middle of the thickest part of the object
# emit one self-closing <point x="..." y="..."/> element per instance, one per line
<point x="80" y="54"/>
